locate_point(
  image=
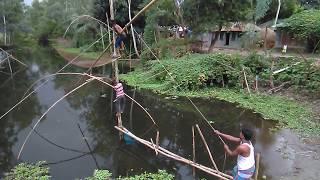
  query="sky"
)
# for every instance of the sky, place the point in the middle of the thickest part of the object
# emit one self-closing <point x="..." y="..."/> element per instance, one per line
<point x="28" y="2"/>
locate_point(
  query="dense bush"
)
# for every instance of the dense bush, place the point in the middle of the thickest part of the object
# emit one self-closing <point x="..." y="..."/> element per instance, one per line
<point x="305" y="25"/>
<point x="302" y="76"/>
<point x="161" y="175"/>
<point x="196" y="71"/>
<point x="29" y="171"/>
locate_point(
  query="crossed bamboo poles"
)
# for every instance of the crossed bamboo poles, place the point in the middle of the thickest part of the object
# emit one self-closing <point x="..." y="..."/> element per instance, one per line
<point x="159" y="150"/>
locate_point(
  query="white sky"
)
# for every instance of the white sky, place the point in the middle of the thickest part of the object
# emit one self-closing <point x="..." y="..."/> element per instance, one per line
<point x="28" y="2"/>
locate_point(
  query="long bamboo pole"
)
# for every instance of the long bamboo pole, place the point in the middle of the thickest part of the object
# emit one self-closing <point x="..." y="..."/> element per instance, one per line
<point x="246" y="81"/>
<point x="193" y="153"/>
<point x="46" y="112"/>
<point x="139" y="13"/>
<point x="85" y="140"/>
<point x="207" y="147"/>
<point x="198" y="110"/>
<point x="132" y="32"/>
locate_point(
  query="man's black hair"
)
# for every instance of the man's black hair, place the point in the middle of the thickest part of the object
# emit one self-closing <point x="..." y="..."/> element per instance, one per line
<point x="112" y="21"/>
<point x="247" y="133"/>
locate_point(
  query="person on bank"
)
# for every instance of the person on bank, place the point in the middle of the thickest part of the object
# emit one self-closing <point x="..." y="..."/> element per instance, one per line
<point x="121" y="35"/>
<point x="245" y="166"/>
<point x="120" y="97"/>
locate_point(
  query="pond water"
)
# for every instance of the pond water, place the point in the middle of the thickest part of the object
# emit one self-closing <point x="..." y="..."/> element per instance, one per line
<point x="59" y="140"/>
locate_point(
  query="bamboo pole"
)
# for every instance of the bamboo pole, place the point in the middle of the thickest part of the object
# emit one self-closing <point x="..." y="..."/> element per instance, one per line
<point x="120" y="125"/>
<point x="131" y="109"/>
<point x="207" y="147"/>
<point x="102" y="40"/>
<point x="139" y="13"/>
<point x="257" y="166"/>
<point x="157" y="139"/>
<point x="12" y="57"/>
<point x="29" y="134"/>
<point x="193" y="153"/>
<point x="132" y="32"/>
<point x="245" y="78"/>
<point x="154" y="147"/>
<point x="206" y="120"/>
<point x="85" y="140"/>
<point x="271" y="74"/>
<point x="177" y="157"/>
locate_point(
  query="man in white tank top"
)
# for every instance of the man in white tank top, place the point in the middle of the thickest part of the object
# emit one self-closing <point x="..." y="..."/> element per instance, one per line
<point x="245" y="163"/>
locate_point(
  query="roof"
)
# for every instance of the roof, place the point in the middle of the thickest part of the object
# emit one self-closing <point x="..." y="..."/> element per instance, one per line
<point x="240" y="27"/>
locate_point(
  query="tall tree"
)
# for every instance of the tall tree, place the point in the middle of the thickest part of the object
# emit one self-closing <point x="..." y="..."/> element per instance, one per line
<point x="212" y="15"/>
<point x="11" y="12"/>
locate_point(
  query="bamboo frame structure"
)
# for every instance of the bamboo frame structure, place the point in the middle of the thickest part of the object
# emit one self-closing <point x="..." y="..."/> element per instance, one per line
<point x="12" y="57"/>
<point x="176" y="157"/>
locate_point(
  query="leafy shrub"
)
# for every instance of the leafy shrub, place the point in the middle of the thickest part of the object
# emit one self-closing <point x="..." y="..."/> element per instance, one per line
<point x="100" y="175"/>
<point x="25" y="171"/>
<point x="303" y="75"/>
<point x="196" y="71"/>
<point x="161" y="175"/>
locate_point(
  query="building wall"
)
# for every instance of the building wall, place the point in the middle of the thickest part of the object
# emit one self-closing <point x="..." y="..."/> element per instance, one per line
<point x="283" y="38"/>
<point x="205" y="39"/>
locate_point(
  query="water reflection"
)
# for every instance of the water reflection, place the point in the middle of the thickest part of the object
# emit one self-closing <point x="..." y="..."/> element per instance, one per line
<point x="90" y="108"/>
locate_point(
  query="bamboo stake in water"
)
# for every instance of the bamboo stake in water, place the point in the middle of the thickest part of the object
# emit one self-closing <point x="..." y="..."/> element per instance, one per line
<point x="207" y="147"/>
<point x="193" y="153"/>
<point x="257" y="166"/>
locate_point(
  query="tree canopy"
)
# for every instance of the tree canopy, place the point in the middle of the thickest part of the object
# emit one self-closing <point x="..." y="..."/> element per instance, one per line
<point x="305" y="25"/>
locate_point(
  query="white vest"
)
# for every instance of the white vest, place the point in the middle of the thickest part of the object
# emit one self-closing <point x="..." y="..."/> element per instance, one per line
<point x="245" y="163"/>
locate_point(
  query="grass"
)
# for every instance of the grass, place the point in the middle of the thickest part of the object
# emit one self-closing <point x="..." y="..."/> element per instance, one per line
<point x="289" y="113"/>
<point x="76" y="51"/>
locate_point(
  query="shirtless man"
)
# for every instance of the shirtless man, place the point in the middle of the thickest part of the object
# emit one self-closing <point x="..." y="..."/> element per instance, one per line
<point x="245" y="163"/>
<point x="121" y="35"/>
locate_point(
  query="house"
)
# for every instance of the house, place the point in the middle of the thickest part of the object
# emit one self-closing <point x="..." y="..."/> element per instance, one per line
<point x="231" y="38"/>
<point x="284" y="38"/>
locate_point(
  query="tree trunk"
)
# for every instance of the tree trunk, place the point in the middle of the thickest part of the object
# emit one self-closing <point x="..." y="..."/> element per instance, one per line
<point x="109" y="34"/>
<point x="132" y="31"/>
<point x="5" y="29"/>
<point x="102" y="39"/>
<point x="116" y="70"/>
<point x="277" y="15"/>
<point x="214" y="40"/>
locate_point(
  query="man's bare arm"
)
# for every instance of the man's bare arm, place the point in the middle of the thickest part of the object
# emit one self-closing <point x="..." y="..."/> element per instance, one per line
<point x="228" y="137"/>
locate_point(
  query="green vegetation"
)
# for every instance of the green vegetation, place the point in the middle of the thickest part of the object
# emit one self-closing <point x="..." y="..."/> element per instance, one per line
<point x="204" y="75"/>
<point x="305" y="25"/>
<point x="29" y="172"/>
<point x="38" y="171"/>
<point x="76" y="51"/>
<point x="100" y="175"/>
<point x="161" y="175"/>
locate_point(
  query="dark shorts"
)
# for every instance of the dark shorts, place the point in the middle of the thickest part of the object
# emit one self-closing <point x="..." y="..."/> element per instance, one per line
<point x="120" y="104"/>
<point x="119" y="40"/>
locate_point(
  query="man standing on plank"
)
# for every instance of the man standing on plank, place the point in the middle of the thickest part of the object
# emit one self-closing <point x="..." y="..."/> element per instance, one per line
<point x="245" y="163"/>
